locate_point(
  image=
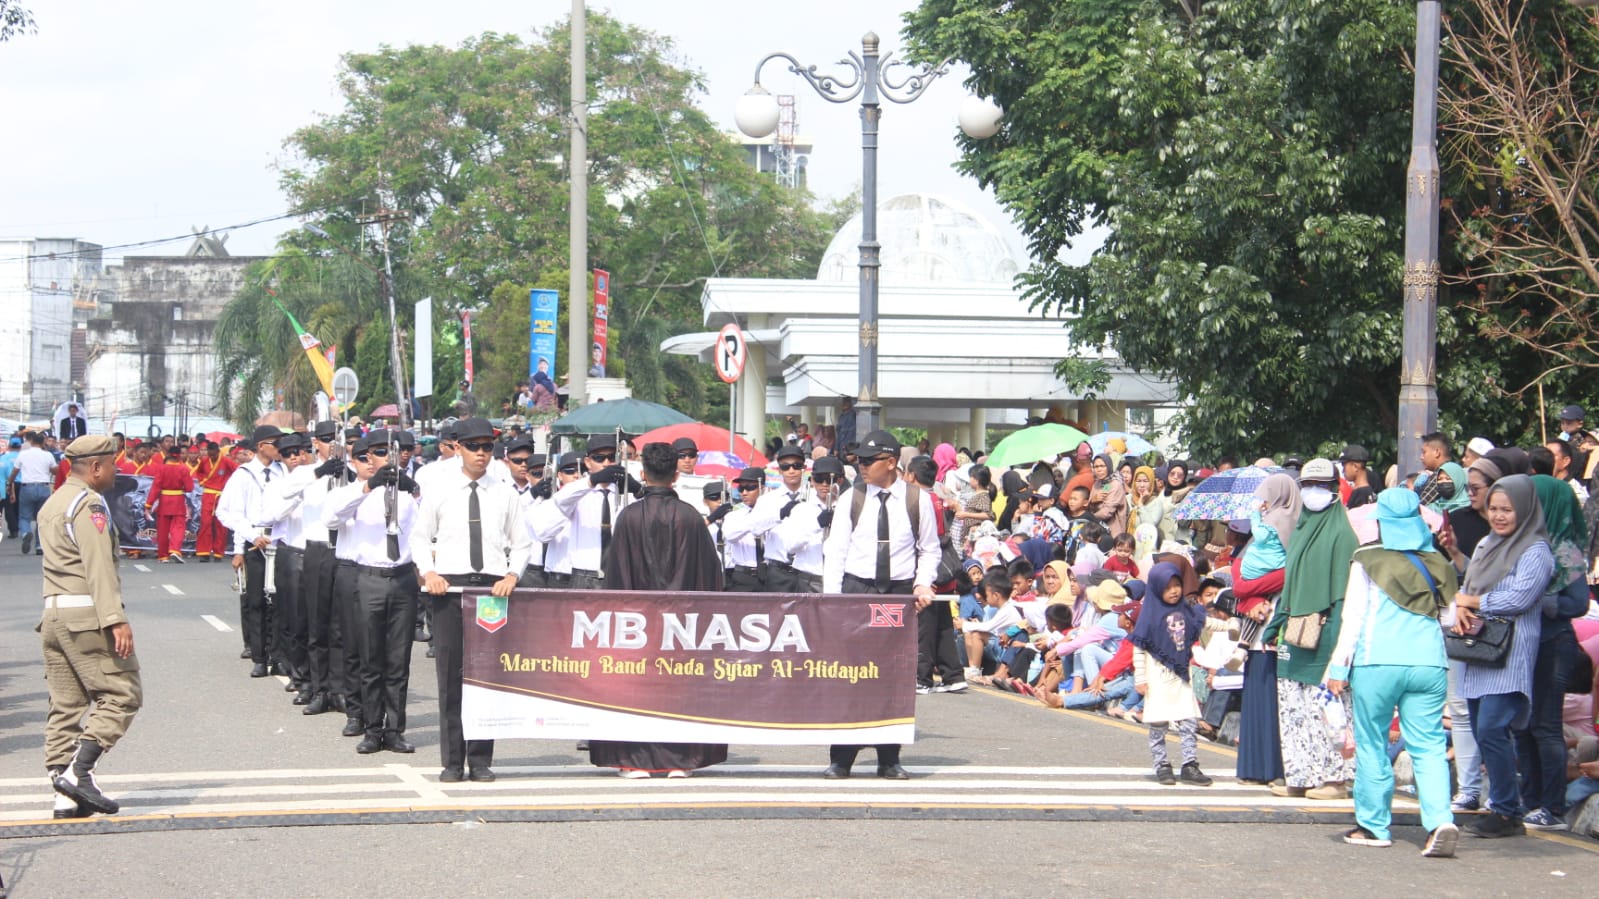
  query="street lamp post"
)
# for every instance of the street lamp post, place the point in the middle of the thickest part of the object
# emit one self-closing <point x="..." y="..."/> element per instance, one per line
<point x="869" y="78"/>
<point x="1418" y="395"/>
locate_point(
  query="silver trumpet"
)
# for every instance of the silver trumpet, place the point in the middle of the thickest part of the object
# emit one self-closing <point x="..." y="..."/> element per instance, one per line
<point x="270" y="587"/>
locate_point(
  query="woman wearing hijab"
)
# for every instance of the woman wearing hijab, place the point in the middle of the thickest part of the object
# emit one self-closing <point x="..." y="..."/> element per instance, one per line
<point x="1012" y="488"/>
<point x="1277" y="507"/>
<point x="1149" y="504"/>
<point x="1391" y="655"/>
<point x="1541" y="746"/>
<point x="1107" y="499"/>
<point x="947" y="459"/>
<point x="1445" y="491"/>
<point x="1163" y="646"/>
<point x="1314" y="579"/>
<point x="1506" y="579"/>
<point x="1175" y="484"/>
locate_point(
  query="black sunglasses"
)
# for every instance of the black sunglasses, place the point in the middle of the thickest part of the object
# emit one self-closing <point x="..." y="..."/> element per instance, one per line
<point x="382" y="452"/>
<point x="603" y="456"/>
<point x="568" y="469"/>
<point x="517" y="460"/>
<point x="689" y="454"/>
<point x="884" y="458"/>
<point x="477" y="446"/>
<point x="822" y="479"/>
<point x="791" y="466"/>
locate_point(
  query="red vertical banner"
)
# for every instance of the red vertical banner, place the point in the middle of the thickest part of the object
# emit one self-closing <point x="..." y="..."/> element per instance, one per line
<point x="602" y="318"/>
<point x="466" y="338"/>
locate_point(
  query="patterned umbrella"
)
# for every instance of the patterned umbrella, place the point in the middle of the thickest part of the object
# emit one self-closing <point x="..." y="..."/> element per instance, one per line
<point x="1136" y="445"/>
<point x="719" y="464"/>
<point x="1224" y="495"/>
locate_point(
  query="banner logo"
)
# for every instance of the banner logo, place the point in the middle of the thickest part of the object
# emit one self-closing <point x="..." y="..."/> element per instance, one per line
<point x="887" y="615"/>
<point x="492" y="613"/>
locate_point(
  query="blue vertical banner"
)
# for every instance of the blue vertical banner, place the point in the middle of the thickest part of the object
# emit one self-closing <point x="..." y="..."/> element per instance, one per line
<point x="545" y="306"/>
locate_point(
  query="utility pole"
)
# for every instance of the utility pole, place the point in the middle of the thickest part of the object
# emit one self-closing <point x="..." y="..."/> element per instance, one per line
<point x="577" y="331"/>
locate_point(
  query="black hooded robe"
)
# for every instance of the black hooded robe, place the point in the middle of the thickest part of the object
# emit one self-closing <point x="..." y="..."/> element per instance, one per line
<point x="660" y="543"/>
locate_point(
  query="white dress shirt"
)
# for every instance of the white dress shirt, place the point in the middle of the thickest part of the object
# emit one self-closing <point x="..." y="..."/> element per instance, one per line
<point x="739" y="532"/>
<point x="362" y="522"/>
<point x="524" y="495"/>
<point x="767" y="517"/>
<point x="242" y="507"/>
<point x="441" y="540"/>
<point x="802" y="536"/>
<point x="552" y="528"/>
<point x="854" y="550"/>
<point x="285" y="505"/>
<point x="583" y="505"/>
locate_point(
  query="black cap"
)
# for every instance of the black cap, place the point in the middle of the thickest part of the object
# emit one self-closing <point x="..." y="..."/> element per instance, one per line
<point x="1354" y="452"/>
<point x="1572" y="413"/>
<point x="713" y="490"/>
<point x="474" y="429"/>
<point x="448" y="431"/>
<point x="751" y="475"/>
<point x="851" y="447"/>
<point x="685" y="445"/>
<point x="828" y="465"/>
<point x="326" y="431"/>
<point x="368" y="441"/>
<point x="244" y="443"/>
<point x="536" y="460"/>
<point x="878" y="443"/>
<point x="791" y="451"/>
<point x="292" y="442"/>
<point x="601" y="441"/>
<point x="352" y="434"/>
<point x="265" y="432"/>
<point x="572" y="458"/>
<point x="1294" y="462"/>
<point x="521" y="443"/>
<point x="405" y="439"/>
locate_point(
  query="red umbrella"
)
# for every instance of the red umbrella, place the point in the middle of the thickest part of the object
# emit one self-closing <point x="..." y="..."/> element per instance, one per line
<point x="220" y="436"/>
<point x="708" y="438"/>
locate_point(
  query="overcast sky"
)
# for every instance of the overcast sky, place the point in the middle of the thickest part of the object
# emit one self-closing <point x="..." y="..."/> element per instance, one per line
<point x="131" y="121"/>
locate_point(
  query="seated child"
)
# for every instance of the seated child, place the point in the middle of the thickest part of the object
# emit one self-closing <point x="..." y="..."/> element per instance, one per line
<point x="1121" y="561"/>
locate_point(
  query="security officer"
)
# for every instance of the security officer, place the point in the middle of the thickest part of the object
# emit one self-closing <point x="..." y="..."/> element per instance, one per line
<point x="90" y="668"/>
<point x="469" y="533"/>
<point x="551" y="526"/>
<point x="242" y="510"/>
<point x="877" y="549"/>
<point x="591" y="504"/>
<point x="688" y="455"/>
<point x="803" y="531"/>
<point x="739" y="528"/>
<point x="385" y="585"/>
<point x="773" y="509"/>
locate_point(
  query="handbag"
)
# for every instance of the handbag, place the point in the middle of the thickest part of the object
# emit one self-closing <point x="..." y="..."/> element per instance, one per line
<point x="1489" y="647"/>
<point x="1304" y="631"/>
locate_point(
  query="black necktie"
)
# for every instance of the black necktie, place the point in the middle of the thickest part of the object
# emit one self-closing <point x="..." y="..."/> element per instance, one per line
<point x="268" y="474"/>
<point x="605" y="521"/>
<point x="474" y="528"/>
<point x="883" y="567"/>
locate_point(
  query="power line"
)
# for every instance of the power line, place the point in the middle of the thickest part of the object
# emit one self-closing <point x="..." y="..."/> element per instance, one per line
<point x="157" y="241"/>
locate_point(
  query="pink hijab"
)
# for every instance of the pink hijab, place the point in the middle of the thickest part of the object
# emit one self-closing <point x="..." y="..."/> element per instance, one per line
<point x="944" y="455"/>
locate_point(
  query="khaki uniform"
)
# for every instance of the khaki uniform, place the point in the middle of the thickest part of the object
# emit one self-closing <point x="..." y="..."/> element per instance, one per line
<point x="82" y="599"/>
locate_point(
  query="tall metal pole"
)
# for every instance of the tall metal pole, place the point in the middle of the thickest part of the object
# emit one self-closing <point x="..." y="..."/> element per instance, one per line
<point x="577" y="331"/>
<point x="867" y="408"/>
<point x="1418" y="396"/>
<point x="396" y="358"/>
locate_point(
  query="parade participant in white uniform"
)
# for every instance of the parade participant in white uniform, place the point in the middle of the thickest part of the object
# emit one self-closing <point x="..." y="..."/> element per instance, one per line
<point x="551" y="526"/>
<point x="283" y="508"/>
<point x="591" y="504"/>
<point x="469" y="533"/>
<point x="803" y="532"/>
<point x="778" y="574"/>
<point x="385" y="586"/>
<point x="309" y="486"/>
<point x="739" y="529"/>
<point x="527" y="477"/>
<point x="242" y="509"/>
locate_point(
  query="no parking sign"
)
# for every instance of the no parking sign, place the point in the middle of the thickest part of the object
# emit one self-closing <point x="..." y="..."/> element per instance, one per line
<point x="731" y="352"/>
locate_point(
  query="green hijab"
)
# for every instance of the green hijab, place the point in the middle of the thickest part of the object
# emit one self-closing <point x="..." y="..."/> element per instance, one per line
<point x="1568" y="531"/>
<point x="1461" y="499"/>
<point x="1318" y="560"/>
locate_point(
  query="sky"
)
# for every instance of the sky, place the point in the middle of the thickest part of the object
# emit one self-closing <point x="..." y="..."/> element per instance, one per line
<point x="130" y="122"/>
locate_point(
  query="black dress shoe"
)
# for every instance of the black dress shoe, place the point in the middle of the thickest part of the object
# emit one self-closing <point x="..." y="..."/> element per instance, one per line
<point x="369" y="744"/>
<point x="482" y="775"/>
<point x="452" y="776"/>
<point x="398" y="743"/>
<point x="337" y="701"/>
<point x="836" y="772"/>
<point x="302" y="698"/>
<point x="893" y="772"/>
<point x="260" y="670"/>
<point x="278" y="669"/>
<point x="354" y="728"/>
<point x="293" y="686"/>
<point x="318" y="705"/>
<point x="244" y="653"/>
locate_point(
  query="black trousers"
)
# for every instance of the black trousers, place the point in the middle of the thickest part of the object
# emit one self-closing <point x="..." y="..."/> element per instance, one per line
<point x="557" y="580"/>
<point x="782" y="577"/>
<point x="288" y="622"/>
<point x="346" y="613"/>
<point x="887" y="753"/>
<point x="532" y="577"/>
<point x="316" y="586"/>
<point x="253" y="606"/>
<point x="935" y="645"/>
<point x="587" y="582"/>
<point x="11" y="517"/>
<point x="448" y="648"/>
<point x="388" y="615"/>
<point x="743" y="580"/>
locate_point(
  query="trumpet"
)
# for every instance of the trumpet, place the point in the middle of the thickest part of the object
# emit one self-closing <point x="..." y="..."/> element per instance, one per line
<point x="270" y="587"/>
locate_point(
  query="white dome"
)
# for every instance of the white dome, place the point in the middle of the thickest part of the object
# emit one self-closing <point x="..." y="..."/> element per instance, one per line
<point x="925" y="239"/>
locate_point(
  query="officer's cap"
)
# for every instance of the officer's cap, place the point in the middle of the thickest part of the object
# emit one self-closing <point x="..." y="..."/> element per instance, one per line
<point x="84" y="447"/>
<point x="292" y="442"/>
<point x="474" y="429"/>
<point x="790" y="451"/>
<point x="572" y="458"/>
<point x="520" y="443"/>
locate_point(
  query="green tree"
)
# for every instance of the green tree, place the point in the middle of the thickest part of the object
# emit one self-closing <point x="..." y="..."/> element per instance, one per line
<point x="470" y="144"/>
<point x="15" y="20"/>
<point x="1248" y="158"/>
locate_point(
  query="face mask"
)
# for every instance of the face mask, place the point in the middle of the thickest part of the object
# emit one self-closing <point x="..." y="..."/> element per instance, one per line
<point x="1446" y="490"/>
<point x="1316" y="498"/>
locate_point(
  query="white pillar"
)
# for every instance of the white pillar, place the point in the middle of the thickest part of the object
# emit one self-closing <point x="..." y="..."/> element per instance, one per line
<point x="752" y="398"/>
<point x="979" y="426"/>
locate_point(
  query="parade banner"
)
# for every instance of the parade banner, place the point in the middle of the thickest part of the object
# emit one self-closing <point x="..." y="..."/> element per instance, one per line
<point x="466" y="338"/>
<point x="756" y="668"/>
<point x="135" y="525"/>
<point x="602" y="323"/>
<point x="545" y="306"/>
<point x="422" y="365"/>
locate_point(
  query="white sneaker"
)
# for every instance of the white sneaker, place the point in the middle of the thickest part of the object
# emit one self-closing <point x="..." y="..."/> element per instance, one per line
<point x="973" y="673"/>
<point x="957" y="687"/>
<point x="1441" y="842"/>
<point x="633" y="774"/>
<point x="923" y="691"/>
<point x="677" y="772"/>
<point x="1465" y="802"/>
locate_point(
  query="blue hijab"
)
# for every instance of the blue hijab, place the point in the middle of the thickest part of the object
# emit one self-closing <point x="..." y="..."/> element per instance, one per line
<point x="1165" y="630"/>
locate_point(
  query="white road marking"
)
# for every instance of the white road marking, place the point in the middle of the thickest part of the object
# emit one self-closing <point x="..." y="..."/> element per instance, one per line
<point x="413" y="778"/>
<point x="281" y="679"/>
<point x="143" y="568"/>
<point x="173" y="589"/>
<point x="216" y="622"/>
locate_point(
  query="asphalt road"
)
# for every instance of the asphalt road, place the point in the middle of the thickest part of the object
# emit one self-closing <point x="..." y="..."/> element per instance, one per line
<point x="222" y="781"/>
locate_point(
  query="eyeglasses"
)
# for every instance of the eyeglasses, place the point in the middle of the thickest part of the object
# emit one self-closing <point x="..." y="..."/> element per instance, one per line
<point x="883" y="458"/>
<point x="382" y="452"/>
<point x="477" y="446"/>
<point x="791" y="466"/>
<point x="568" y="469"/>
<point x="689" y="454"/>
<point x="517" y="460"/>
<point x="1475" y="488"/>
<point x="603" y="456"/>
<point x="822" y="479"/>
<point x="361" y="457"/>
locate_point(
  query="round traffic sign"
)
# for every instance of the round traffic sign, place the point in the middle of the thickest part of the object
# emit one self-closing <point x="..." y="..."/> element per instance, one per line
<point x="345" y="386"/>
<point x="730" y="352"/>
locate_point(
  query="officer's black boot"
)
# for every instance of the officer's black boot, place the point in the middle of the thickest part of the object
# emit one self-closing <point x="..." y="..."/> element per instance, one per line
<point x="66" y="806"/>
<point x="77" y="782"/>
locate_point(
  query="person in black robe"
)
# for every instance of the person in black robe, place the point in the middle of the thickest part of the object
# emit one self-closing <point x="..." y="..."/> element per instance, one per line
<point x="659" y="543"/>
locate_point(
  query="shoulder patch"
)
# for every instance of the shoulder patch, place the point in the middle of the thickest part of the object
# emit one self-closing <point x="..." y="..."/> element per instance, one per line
<point x="99" y="518"/>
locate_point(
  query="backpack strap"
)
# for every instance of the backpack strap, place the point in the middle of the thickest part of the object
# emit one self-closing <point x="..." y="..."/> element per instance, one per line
<point x="1431" y="583"/>
<point x="913" y="507"/>
<point x="857" y="500"/>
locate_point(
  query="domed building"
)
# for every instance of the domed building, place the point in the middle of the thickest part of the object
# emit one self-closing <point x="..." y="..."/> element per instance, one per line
<point x="959" y="351"/>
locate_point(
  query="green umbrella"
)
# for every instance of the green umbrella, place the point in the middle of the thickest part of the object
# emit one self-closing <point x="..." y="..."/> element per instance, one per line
<point x="630" y="415"/>
<point x="1029" y="445"/>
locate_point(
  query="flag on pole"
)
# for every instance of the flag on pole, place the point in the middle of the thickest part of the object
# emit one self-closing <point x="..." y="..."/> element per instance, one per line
<point x="319" y="362"/>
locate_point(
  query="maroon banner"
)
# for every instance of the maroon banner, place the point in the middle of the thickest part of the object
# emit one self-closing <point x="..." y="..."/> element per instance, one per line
<point x="690" y="667"/>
